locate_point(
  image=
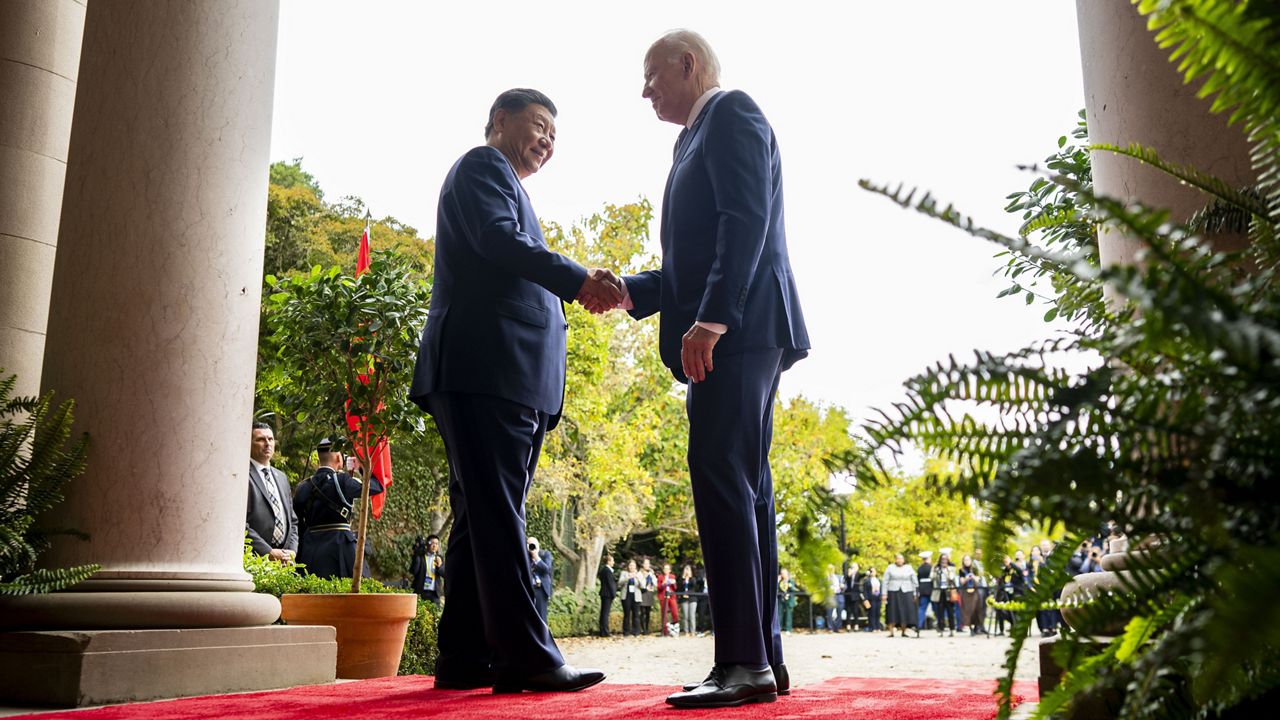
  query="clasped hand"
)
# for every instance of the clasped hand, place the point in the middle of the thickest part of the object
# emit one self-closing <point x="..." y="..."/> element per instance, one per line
<point x="601" y="291"/>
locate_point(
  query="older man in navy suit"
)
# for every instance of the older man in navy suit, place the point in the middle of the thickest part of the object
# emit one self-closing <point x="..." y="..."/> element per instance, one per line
<point x="730" y="324"/>
<point x="490" y="371"/>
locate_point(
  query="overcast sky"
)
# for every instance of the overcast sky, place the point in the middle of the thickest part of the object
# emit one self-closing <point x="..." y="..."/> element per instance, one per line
<point x="380" y="98"/>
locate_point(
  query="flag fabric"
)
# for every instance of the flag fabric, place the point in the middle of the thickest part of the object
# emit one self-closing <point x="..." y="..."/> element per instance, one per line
<point x="379" y="456"/>
<point x="362" y="257"/>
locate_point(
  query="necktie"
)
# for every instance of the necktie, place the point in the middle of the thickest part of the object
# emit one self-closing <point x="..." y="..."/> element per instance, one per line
<point x="277" y="509"/>
<point x="675" y="154"/>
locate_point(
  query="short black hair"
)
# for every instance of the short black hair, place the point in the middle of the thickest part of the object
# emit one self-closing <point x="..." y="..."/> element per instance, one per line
<point x="262" y="426"/>
<point x="515" y="100"/>
<point x="432" y="537"/>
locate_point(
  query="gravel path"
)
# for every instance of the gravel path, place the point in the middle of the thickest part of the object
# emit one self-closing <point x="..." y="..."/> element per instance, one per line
<point x="810" y="657"/>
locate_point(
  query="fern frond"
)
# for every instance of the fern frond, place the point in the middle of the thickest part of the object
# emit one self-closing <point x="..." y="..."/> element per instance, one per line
<point x="1242" y="200"/>
<point x="47" y="581"/>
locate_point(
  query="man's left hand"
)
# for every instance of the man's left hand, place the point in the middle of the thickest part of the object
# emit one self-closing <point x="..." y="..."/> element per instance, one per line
<point x="695" y="352"/>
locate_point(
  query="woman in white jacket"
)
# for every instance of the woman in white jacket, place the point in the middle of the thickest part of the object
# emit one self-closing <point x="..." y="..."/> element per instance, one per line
<point x="899" y="586"/>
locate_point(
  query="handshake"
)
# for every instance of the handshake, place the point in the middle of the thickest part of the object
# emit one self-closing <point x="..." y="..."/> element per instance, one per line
<point x="601" y="292"/>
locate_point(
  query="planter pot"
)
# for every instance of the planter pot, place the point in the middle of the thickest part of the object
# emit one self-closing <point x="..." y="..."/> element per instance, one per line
<point x="370" y="627"/>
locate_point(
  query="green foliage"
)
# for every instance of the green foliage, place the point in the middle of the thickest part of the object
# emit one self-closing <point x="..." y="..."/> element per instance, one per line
<point x="36" y="462"/>
<point x="1176" y="435"/>
<point x="573" y="614"/>
<point x="276" y="578"/>
<point x="420" y="648"/>
<point x="1058" y="219"/>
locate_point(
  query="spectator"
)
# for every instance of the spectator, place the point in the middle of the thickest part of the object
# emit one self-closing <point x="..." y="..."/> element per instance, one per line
<point x="901" y="583"/>
<point x="325" y="505"/>
<point x="688" y="586"/>
<point x="787" y="592"/>
<point x="1094" y="563"/>
<point x="608" y="591"/>
<point x="973" y="606"/>
<point x="1079" y="558"/>
<point x="1012" y="585"/>
<point x="632" y="584"/>
<point x="540" y="567"/>
<point x="835" y="598"/>
<point x="854" y="604"/>
<point x="271" y="522"/>
<point x="668" y="613"/>
<point x="924" y="585"/>
<point x="1046" y="620"/>
<point x="944" y="585"/>
<point x="427" y="568"/>
<point x="871" y="595"/>
<point x="649" y="588"/>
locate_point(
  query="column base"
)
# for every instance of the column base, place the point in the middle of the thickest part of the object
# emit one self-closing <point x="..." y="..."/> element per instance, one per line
<point x="137" y="610"/>
<point x="101" y="667"/>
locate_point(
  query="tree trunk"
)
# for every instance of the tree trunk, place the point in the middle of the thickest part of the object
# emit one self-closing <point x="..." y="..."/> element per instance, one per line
<point x="587" y="568"/>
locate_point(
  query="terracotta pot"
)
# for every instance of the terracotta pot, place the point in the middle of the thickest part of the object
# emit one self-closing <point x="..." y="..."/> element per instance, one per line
<point x="370" y="627"/>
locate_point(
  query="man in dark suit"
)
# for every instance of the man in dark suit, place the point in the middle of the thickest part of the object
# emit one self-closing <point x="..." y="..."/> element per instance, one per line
<point x="271" y="522"/>
<point x="490" y="371"/>
<point x="326" y="505"/>
<point x="608" y="591"/>
<point x="540" y="565"/>
<point x="730" y="324"/>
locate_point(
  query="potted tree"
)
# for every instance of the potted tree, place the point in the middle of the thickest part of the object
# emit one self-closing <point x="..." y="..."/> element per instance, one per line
<point x="351" y="342"/>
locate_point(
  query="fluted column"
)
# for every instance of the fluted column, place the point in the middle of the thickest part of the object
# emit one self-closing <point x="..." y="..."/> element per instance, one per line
<point x="39" y="59"/>
<point x="1134" y="94"/>
<point x="153" y="324"/>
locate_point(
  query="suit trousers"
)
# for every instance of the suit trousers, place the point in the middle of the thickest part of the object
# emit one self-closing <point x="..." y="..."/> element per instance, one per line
<point x="730" y="431"/>
<point x="606" y="606"/>
<point x="491" y="619"/>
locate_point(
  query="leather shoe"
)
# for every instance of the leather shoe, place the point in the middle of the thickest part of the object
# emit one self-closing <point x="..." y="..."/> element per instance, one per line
<point x="780" y="676"/>
<point x="565" y="678"/>
<point x="463" y="682"/>
<point x="728" y="686"/>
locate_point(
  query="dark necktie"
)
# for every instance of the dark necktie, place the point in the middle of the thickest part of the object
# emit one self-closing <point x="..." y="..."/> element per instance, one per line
<point x="675" y="154"/>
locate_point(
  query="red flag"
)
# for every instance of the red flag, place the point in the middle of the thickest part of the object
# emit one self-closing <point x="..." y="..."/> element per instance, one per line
<point x="379" y="457"/>
<point x="362" y="257"/>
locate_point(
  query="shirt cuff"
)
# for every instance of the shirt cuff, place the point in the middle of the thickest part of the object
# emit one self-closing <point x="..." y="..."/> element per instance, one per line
<point x="626" y="303"/>
<point x="717" y="328"/>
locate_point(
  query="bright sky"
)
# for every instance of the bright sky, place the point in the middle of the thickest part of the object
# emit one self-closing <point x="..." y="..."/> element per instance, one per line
<point x="380" y="98"/>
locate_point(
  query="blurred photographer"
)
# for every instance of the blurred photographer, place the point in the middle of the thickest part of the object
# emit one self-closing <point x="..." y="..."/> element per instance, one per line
<point x="540" y="567"/>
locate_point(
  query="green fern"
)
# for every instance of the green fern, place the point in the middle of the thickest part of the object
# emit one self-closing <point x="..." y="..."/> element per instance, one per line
<point x="37" y="459"/>
<point x="1177" y="434"/>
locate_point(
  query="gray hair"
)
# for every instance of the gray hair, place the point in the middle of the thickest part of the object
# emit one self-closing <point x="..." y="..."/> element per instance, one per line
<point x="682" y="41"/>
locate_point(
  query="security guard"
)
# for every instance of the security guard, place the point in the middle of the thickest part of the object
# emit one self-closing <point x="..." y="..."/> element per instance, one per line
<point x="327" y="504"/>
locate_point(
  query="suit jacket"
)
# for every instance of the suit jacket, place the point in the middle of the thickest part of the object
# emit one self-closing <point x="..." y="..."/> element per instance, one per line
<point x="542" y="570"/>
<point x="260" y="521"/>
<point x="724" y="247"/>
<point x="608" y="583"/>
<point x="496" y="325"/>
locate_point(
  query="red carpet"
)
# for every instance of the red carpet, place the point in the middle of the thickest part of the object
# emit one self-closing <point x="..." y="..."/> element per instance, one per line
<point x="413" y="697"/>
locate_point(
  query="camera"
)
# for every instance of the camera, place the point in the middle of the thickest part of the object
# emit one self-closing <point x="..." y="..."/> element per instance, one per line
<point x="532" y="546"/>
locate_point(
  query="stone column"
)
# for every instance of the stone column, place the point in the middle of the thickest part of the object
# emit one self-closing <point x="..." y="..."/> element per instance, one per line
<point x="153" y="324"/>
<point x="39" y="58"/>
<point x="1134" y="94"/>
<point x="153" y="328"/>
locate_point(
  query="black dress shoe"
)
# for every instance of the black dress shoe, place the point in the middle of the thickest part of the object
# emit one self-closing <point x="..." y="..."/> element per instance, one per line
<point x="462" y="675"/>
<point x="565" y="678"/>
<point x="463" y="682"/>
<point x="780" y="677"/>
<point x="729" y="686"/>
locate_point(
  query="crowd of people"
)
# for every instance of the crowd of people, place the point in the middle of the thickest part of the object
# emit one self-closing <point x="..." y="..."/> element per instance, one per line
<point x="640" y="588"/>
<point x="945" y="596"/>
